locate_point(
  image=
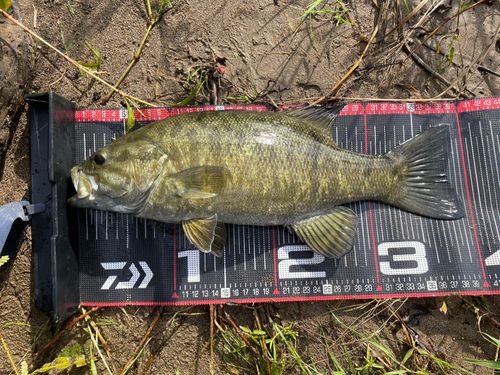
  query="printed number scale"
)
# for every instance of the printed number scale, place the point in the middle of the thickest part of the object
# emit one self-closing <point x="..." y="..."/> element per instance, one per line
<point x="126" y="260"/>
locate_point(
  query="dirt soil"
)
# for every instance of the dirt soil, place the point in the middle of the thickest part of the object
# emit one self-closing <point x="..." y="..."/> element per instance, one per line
<point x="265" y="58"/>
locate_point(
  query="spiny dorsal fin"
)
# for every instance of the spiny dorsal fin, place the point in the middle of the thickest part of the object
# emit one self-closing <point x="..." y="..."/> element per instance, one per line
<point x="206" y="234"/>
<point x="320" y="117"/>
<point x="330" y="235"/>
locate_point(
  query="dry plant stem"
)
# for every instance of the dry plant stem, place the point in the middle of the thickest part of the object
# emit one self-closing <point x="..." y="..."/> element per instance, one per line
<point x="425" y="40"/>
<point x="482" y="312"/>
<point x="162" y="344"/>
<point x="408" y="16"/>
<point x="96" y="329"/>
<point x="141" y="344"/>
<point x="71" y="61"/>
<point x="137" y="55"/>
<point x="353" y="21"/>
<point x="353" y="68"/>
<point x="424" y="65"/>
<point x="96" y="344"/>
<point x="198" y="356"/>
<point x="474" y="64"/>
<point x="71" y="324"/>
<point x="230" y="320"/>
<point x="409" y="331"/>
<point x="268" y="363"/>
<point x="8" y="354"/>
<point x="439" y="26"/>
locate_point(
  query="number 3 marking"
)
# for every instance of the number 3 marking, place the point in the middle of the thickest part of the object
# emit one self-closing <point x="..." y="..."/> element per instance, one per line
<point x="417" y="256"/>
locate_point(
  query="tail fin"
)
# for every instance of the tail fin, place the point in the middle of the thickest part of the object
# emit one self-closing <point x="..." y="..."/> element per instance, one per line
<point x="426" y="190"/>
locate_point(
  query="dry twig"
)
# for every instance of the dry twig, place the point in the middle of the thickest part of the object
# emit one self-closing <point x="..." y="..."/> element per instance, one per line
<point x="137" y="54"/>
<point x="441" y="25"/>
<point x="70" y="324"/>
<point x="414" y="335"/>
<point x="356" y="64"/>
<point x="96" y="329"/>
<point x="242" y="334"/>
<point x="155" y="352"/>
<point x="353" y="21"/>
<point x="263" y="342"/>
<point x="141" y="344"/>
<point x="426" y="66"/>
<point x="96" y="345"/>
<point x="478" y="311"/>
<point x="70" y="60"/>
<point x="408" y="16"/>
<point x="474" y="64"/>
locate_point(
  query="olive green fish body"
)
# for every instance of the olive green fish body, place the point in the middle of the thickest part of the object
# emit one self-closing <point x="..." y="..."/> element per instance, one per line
<point x="258" y="168"/>
<point x="281" y="170"/>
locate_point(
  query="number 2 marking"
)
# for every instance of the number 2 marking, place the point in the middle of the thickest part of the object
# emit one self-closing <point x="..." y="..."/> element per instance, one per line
<point x="285" y="263"/>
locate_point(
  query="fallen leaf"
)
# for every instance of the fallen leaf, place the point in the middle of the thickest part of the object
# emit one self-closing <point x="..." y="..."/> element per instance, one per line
<point x="444" y="308"/>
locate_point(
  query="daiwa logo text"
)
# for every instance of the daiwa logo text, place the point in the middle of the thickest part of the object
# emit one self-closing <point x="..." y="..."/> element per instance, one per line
<point x="148" y="275"/>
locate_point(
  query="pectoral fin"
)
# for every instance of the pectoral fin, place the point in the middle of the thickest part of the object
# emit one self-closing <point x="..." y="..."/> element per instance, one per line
<point x="330" y="235"/>
<point x="206" y="235"/>
<point x="201" y="182"/>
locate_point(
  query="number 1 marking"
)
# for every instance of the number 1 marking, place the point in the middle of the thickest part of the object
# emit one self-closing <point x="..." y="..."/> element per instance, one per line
<point x="193" y="266"/>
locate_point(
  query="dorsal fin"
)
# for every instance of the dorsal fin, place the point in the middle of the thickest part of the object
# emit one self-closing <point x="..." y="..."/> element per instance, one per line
<point x="320" y="117"/>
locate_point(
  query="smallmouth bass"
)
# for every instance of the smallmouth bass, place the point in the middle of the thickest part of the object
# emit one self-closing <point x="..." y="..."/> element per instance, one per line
<point x="205" y="169"/>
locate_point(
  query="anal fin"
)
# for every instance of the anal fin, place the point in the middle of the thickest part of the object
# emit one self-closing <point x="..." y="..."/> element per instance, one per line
<point x="206" y="234"/>
<point x="330" y="235"/>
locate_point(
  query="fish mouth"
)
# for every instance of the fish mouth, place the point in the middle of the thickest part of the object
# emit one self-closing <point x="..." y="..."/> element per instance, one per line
<point x="85" y="187"/>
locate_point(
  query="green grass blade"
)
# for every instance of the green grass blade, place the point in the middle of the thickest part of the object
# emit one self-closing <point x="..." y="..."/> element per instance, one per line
<point x="488" y="364"/>
<point x="93" y="369"/>
<point x="311" y="30"/>
<point x="290" y="348"/>
<point x="466" y="5"/>
<point x="13" y="324"/>
<point x="442" y="363"/>
<point x="5" y="4"/>
<point x="494" y="340"/>
<point x="406" y="5"/>
<point x="130" y="119"/>
<point x="4" y="259"/>
<point x="310" y="8"/>
<point x="351" y="365"/>
<point x="191" y="96"/>
<point x="407" y="355"/>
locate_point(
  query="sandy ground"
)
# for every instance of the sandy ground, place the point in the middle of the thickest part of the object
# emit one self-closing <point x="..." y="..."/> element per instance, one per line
<point x="254" y="41"/>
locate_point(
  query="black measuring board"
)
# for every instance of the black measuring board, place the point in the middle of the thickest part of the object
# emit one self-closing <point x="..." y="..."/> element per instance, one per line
<point x="126" y="260"/>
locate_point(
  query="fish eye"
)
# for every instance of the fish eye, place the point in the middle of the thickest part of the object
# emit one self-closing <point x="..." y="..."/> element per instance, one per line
<point x="99" y="159"/>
